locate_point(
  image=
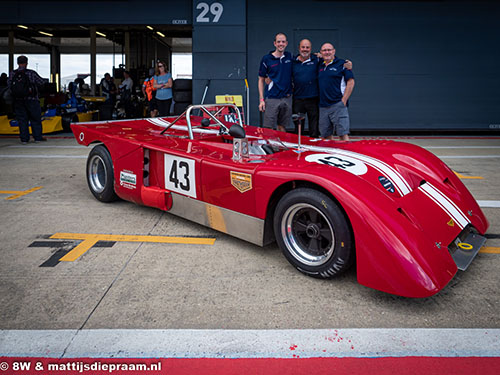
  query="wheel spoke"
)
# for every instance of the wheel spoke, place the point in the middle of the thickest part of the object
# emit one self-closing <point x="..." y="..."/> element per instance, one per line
<point x="326" y="233"/>
<point x="300" y="227"/>
<point x="313" y="245"/>
<point x="313" y="215"/>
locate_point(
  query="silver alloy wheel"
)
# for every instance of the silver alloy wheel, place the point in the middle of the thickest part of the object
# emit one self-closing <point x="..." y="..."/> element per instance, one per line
<point x="97" y="174"/>
<point x="307" y="234"/>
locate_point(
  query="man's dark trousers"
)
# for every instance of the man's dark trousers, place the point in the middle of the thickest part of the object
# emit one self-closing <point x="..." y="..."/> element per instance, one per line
<point x="310" y="107"/>
<point x="28" y="111"/>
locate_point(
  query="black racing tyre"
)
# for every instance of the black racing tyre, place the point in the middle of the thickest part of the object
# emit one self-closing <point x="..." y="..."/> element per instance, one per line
<point x="100" y="175"/>
<point x="313" y="233"/>
<point x="182" y="84"/>
<point x="183" y="96"/>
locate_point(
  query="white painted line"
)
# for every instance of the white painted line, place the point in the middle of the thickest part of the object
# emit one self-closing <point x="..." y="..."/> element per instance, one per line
<point x="494" y="204"/>
<point x="357" y="343"/>
<point x="43" y="156"/>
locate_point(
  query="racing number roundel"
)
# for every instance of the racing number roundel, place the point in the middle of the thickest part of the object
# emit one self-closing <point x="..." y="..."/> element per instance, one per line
<point x="180" y="175"/>
<point x="346" y="163"/>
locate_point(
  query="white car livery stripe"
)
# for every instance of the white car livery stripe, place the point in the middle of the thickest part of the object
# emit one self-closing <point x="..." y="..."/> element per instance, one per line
<point x="158" y="121"/>
<point x="446" y="204"/>
<point x="392" y="174"/>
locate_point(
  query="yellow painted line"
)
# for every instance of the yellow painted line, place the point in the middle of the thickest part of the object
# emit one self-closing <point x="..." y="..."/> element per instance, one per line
<point x="79" y="250"/>
<point x="17" y="194"/>
<point x="468" y="177"/>
<point x="89" y="240"/>
<point x="490" y="250"/>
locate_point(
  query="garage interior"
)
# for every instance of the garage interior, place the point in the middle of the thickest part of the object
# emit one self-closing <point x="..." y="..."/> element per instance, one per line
<point x="138" y="46"/>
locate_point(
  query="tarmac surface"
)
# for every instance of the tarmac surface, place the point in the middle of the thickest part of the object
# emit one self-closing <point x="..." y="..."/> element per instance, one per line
<point x="230" y="284"/>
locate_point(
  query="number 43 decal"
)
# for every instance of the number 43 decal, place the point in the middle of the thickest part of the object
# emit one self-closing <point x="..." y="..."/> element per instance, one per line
<point x="180" y="175"/>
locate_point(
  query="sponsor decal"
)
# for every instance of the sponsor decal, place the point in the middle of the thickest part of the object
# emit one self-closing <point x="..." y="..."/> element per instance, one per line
<point x="128" y="179"/>
<point x="387" y="184"/>
<point x="231" y="118"/>
<point x="451" y="223"/>
<point x="344" y="162"/>
<point x="241" y="181"/>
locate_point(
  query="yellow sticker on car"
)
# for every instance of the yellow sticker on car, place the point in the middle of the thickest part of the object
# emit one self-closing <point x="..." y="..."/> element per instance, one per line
<point x="241" y="181"/>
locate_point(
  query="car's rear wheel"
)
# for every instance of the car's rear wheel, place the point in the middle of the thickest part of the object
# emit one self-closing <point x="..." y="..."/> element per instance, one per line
<point x="100" y="176"/>
<point x="313" y="233"/>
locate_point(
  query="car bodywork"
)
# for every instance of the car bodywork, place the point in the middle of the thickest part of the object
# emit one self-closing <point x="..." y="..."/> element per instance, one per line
<point x="413" y="221"/>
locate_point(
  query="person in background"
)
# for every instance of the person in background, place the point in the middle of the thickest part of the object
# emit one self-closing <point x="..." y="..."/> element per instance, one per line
<point x="335" y="87"/>
<point x="163" y="85"/>
<point x="23" y="83"/>
<point x="108" y="89"/>
<point x="149" y="93"/>
<point x="3" y="80"/>
<point x="126" y="86"/>
<point x="276" y="100"/>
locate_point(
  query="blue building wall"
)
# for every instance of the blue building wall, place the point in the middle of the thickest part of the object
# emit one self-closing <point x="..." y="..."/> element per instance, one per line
<point x="419" y="65"/>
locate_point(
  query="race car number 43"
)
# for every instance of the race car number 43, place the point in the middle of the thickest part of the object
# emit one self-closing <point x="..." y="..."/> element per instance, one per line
<point x="180" y="175"/>
<point x="344" y="162"/>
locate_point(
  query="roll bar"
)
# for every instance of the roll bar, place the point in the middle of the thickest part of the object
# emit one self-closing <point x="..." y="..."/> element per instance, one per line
<point x="203" y="107"/>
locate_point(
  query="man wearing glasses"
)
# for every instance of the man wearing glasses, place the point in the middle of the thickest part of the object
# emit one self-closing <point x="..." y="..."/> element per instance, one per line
<point x="335" y="87"/>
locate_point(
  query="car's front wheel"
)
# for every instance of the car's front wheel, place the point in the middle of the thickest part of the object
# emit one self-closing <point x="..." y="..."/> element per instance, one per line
<point x="313" y="233"/>
<point x="100" y="176"/>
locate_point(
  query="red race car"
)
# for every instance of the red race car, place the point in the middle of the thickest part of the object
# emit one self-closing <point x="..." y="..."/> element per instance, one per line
<point x="393" y="208"/>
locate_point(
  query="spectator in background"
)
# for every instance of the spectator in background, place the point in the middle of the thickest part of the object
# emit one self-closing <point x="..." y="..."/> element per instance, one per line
<point x="3" y="80"/>
<point x="108" y="89"/>
<point x="163" y="85"/>
<point x="126" y="86"/>
<point x="23" y="84"/>
<point x="149" y="93"/>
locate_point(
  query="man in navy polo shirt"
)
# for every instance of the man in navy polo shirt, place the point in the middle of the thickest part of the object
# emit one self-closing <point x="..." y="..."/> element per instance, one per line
<point x="276" y="100"/>
<point x="305" y="86"/>
<point x="335" y="87"/>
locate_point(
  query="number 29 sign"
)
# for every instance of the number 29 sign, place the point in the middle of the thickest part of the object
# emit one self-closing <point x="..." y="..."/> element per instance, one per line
<point x="180" y="175"/>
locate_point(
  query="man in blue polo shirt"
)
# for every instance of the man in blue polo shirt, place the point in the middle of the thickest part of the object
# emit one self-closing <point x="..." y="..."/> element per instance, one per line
<point x="335" y="87"/>
<point x="276" y="100"/>
<point x="305" y="86"/>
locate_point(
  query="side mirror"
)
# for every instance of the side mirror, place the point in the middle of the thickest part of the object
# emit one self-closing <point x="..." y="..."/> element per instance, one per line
<point x="298" y="118"/>
<point x="237" y="131"/>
